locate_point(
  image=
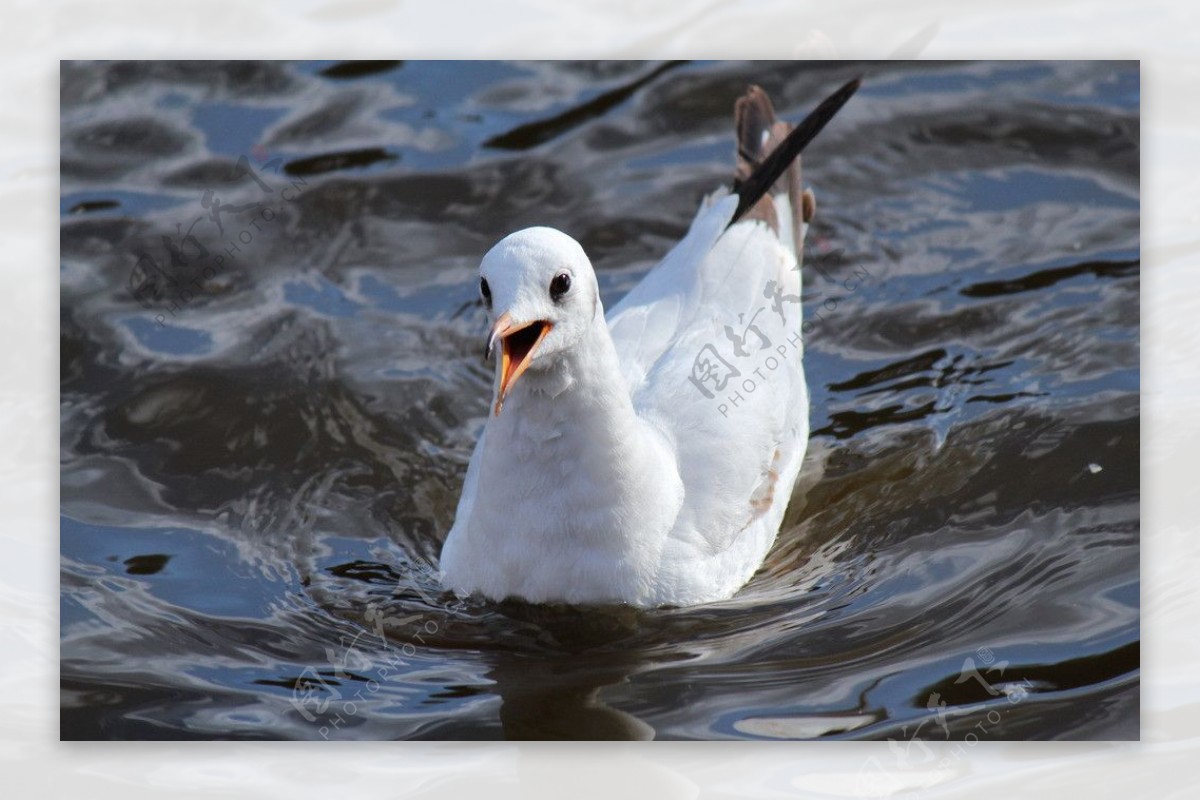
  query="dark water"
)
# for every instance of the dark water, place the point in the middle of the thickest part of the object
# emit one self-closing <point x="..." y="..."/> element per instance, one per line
<point x="265" y="422"/>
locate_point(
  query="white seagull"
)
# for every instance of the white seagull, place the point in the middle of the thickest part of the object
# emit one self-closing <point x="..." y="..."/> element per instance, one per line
<point x="646" y="457"/>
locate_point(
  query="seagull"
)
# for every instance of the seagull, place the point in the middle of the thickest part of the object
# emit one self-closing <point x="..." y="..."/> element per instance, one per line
<point x="646" y="456"/>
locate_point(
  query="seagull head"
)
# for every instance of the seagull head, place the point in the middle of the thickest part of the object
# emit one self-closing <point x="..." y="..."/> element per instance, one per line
<point x="542" y="297"/>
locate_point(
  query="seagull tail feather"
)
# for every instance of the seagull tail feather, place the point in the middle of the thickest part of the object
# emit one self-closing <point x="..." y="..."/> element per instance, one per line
<point x="768" y="157"/>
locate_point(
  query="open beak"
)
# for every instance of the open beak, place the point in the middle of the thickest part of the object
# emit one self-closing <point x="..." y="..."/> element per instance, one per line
<point x="517" y="344"/>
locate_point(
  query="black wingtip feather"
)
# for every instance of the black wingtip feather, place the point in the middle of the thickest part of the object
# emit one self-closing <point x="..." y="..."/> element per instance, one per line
<point x="759" y="183"/>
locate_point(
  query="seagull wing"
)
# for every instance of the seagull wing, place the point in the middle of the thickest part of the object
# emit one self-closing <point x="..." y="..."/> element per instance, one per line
<point x="711" y="353"/>
<point x="710" y="350"/>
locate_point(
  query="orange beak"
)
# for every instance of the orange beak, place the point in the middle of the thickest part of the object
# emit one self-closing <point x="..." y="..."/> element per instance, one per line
<point x="517" y="345"/>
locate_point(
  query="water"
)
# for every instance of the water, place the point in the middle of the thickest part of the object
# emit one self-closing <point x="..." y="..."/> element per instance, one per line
<point x="260" y="461"/>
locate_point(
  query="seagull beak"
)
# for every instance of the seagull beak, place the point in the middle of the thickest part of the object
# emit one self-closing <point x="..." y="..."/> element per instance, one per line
<point x="518" y="341"/>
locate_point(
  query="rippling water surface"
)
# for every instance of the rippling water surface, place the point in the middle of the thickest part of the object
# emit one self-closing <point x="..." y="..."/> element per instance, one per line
<point x="272" y="383"/>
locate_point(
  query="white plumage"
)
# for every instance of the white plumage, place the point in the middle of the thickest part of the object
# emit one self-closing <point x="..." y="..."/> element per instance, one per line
<point x="646" y="457"/>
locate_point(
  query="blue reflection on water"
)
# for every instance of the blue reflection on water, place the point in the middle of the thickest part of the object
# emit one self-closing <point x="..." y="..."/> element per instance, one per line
<point x="321" y="295"/>
<point x="169" y="338"/>
<point x="187" y="578"/>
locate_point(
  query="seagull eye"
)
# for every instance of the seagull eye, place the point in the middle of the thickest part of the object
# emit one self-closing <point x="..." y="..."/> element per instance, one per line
<point x="560" y="285"/>
<point x="486" y="291"/>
